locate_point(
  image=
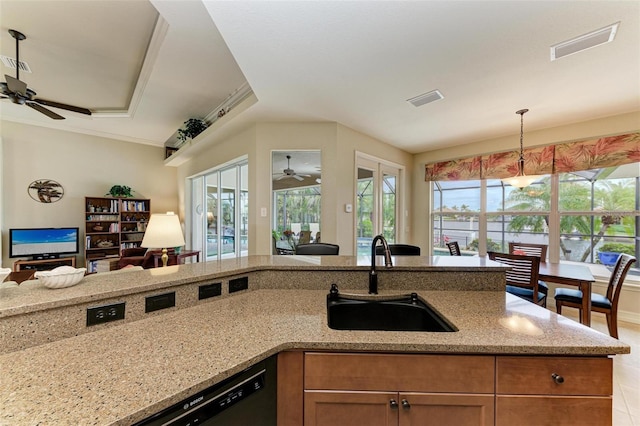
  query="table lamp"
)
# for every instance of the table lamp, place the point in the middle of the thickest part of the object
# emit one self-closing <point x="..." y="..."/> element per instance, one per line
<point x="163" y="231"/>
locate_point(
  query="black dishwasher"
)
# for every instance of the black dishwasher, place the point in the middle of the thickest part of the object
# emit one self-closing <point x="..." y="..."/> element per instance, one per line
<point x="246" y="399"/>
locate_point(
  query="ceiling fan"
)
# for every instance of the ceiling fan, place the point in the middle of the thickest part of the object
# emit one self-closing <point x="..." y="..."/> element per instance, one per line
<point x="20" y="94"/>
<point x="290" y="173"/>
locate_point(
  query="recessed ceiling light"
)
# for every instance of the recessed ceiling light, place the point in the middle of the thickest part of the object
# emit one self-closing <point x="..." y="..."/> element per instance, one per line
<point x="584" y="42"/>
<point x="425" y="98"/>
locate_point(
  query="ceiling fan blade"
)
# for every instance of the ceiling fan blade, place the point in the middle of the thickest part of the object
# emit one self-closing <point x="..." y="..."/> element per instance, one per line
<point x="298" y="178"/>
<point x="282" y="177"/>
<point x="16" y="85"/>
<point x="45" y="111"/>
<point x="63" y="106"/>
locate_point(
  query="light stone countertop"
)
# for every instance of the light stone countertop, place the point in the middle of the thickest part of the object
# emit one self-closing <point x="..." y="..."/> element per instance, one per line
<point x="121" y="374"/>
<point x="33" y="297"/>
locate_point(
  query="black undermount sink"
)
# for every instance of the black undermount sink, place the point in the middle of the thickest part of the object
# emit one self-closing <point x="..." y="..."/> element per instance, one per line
<point x="398" y="313"/>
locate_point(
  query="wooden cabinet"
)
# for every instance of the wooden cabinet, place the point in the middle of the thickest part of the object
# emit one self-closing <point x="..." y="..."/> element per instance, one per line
<point x="322" y="388"/>
<point x="43" y="264"/>
<point x="113" y="224"/>
<point x="397" y="389"/>
<point x="553" y="390"/>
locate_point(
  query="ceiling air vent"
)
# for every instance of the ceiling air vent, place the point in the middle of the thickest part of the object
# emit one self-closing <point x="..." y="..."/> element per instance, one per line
<point x="425" y="98"/>
<point x="584" y="42"/>
<point x="11" y="63"/>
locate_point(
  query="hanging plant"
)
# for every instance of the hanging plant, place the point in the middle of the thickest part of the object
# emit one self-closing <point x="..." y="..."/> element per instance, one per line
<point x="192" y="128"/>
<point x="120" y="191"/>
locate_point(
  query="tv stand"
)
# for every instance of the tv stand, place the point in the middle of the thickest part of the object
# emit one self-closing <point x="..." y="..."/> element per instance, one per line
<point x="43" y="264"/>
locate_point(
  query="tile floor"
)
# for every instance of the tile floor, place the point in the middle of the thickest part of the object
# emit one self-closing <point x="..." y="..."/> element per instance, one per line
<point x="626" y="370"/>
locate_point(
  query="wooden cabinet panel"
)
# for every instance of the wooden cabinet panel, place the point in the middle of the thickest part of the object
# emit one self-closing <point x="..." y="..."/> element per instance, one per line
<point x="534" y="375"/>
<point x="290" y="388"/>
<point x="553" y="411"/>
<point x="333" y="408"/>
<point x="446" y="409"/>
<point x="407" y="372"/>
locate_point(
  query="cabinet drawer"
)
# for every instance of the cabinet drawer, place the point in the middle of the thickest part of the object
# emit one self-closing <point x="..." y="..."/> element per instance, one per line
<point x="535" y="376"/>
<point x="406" y="372"/>
<point x="553" y="410"/>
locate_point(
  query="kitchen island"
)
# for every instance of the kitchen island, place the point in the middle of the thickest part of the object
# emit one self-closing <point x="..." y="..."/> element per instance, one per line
<point x="119" y="373"/>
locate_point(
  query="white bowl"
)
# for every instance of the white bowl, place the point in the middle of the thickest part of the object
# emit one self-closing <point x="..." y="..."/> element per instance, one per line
<point x="61" y="277"/>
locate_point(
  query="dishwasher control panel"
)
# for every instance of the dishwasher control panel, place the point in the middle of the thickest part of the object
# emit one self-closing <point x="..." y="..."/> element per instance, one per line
<point x="206" y="405"/>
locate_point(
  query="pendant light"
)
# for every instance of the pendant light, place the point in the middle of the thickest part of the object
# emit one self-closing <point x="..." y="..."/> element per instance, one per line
<point x="521" y="180"/>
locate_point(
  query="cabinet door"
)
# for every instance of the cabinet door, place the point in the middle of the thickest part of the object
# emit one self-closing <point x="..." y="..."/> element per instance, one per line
<point x="333" y="408"/>
<point x="445" y="409"/>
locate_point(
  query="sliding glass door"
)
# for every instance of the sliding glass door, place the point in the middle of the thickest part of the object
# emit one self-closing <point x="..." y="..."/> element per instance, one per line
<point x="220" y="212"/>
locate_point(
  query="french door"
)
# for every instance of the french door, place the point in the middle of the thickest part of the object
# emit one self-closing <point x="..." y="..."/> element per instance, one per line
<point x="377" y="203"/>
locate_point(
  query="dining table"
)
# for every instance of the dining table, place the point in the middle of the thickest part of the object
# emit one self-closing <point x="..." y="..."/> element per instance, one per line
<point x="573" y="275"/>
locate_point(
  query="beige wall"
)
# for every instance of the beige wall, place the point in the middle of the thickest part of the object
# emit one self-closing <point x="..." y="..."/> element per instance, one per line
<point x="85" y="166"/>
<point x="338" y="145"/>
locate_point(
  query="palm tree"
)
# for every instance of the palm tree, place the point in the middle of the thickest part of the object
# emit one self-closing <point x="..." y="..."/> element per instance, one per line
<point x="608" y="197"/>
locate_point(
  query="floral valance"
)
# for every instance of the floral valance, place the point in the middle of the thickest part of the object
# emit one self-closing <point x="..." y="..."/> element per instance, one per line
<point x="559" y="158"/>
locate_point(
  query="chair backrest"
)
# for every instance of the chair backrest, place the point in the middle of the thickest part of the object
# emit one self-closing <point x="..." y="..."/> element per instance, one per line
<point x="305" y="237"/>
<point x="454" y="248"/>
<point x="528" y="249"/>
<point x="399" y="250"/>
<point x="617" y="278"/>
<point x="318" y="249"/>
<point x="317" y="240"/>
<point x="524" y="269"/>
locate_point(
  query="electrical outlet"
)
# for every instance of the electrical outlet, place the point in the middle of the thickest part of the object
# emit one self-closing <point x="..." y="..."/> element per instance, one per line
<point x="207" y="291"/>
<point x="238" y="284"/>
<point x="160" y="301"/>
<point x="105" y="313"/>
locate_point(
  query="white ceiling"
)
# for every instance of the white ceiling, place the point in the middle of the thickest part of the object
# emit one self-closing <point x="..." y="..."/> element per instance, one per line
<point x="352" y="62"/>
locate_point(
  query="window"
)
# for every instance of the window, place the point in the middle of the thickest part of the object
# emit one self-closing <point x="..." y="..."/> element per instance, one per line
<point x="582" y="213"/>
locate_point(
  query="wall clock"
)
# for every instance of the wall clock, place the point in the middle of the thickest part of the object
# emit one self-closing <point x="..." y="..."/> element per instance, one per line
<point x="45" y="190"/>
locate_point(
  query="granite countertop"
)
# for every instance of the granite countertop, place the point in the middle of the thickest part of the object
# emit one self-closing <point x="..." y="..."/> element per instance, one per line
<point x="122" y="374"/>
<point x="25" y="299"/>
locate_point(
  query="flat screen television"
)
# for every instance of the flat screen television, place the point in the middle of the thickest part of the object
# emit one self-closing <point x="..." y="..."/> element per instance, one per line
<point x="43" y="243"/>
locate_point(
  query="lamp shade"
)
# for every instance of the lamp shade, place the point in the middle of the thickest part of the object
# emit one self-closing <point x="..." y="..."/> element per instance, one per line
<point x="163" y="231"/>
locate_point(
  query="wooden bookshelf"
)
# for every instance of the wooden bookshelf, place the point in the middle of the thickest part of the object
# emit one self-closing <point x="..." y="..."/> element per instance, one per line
<point x="111" y="225"/>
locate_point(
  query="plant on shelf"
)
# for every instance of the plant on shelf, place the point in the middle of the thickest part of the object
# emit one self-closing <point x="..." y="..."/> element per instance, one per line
<point x="120" y="191"/>
<point x="192" y="128"/>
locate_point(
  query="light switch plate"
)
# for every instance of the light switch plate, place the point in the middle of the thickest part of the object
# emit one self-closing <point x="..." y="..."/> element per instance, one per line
<point x="348" y="208"/>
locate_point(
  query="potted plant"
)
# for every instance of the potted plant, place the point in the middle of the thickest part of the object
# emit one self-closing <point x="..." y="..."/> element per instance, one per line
<point x="608" y="253"/>
<point x="120" y="191"/>
<point x="192" y="128"/>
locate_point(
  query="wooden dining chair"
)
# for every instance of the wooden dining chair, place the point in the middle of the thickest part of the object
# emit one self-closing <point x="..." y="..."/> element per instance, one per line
<point x="607" y="304"/>
<point x="305" y="237"/>
<point x="399" y="250"/>
<point x="454" y="248"/>
<point x="522" y="278"/>
<point x="318" y="249"/>
<point x="531" y="249"/>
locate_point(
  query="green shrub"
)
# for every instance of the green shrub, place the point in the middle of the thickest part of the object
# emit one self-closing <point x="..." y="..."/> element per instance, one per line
<point x="617" y="248"/>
